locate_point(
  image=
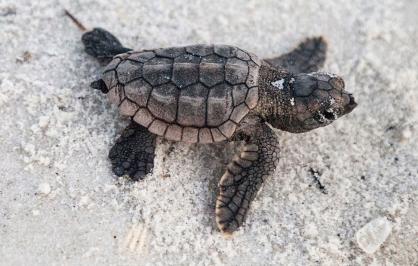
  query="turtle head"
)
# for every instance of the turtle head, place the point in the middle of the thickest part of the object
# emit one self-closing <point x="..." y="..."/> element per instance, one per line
<point x="312" y="100"/>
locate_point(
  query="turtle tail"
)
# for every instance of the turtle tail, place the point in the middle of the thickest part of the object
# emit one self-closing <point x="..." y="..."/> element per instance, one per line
<point x="99" y="85"/>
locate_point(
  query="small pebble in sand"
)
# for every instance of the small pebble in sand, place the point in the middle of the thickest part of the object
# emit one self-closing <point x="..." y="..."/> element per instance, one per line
<point x="84" y="200"/>
<point x="43" y="121"/>
<point x="406" y="134"/>
<point x="44" y="188"/>
<point x="373" y="234"/>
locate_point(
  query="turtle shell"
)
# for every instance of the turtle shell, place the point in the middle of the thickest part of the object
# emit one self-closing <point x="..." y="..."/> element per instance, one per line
<point x="196" y="93"/>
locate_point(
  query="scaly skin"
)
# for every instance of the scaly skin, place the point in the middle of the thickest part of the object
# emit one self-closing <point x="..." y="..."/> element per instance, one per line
<point x="133" y="152"/>
<point x="102" y="44"/>
<point x="301" y="102"/>
<point x="307" y="57"/>
<point x="245" y="174"/>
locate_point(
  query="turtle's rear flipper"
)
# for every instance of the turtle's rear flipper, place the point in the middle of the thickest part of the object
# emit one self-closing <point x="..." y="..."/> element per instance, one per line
<point x="133" y="152"/>
<point x="244" y="177"/>
<point x="308" y="56"/>
<point x="102" y="44"/>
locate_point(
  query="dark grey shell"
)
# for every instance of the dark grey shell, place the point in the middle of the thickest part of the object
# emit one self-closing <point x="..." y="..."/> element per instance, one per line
<point x="195" y="93"/>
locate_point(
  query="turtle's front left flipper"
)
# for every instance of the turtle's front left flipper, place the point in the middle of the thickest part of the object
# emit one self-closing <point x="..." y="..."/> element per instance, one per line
<point x="244" y="176"/>
<point x="133" y="152"/>
<point x="308" y="56"/>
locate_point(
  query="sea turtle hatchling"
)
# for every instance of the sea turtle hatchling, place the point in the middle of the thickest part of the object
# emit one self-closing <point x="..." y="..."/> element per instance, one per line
<point x="215" y="93"/>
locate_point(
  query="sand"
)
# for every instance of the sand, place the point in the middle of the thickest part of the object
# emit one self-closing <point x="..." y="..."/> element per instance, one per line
<point x="60" y="204"/>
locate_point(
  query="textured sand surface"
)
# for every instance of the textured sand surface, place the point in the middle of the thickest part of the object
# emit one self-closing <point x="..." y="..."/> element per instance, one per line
<point x="61" y="205"/>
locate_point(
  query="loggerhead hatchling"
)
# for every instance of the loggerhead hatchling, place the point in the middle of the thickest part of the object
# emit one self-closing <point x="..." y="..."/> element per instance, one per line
<point x="215" y="93"/>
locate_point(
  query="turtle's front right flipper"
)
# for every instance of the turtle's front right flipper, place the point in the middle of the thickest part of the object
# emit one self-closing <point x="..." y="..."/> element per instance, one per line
<point x="99" y="42"/>
<point x="244" y="177"/>
<point x="308" y="56"/>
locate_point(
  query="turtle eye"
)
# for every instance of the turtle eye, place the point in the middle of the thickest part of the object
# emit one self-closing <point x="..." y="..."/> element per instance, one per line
<point x="328" y="115"/>
<point x="324" y="116"/>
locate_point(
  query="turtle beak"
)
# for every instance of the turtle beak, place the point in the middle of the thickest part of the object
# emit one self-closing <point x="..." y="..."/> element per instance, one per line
<point x="351" y="104"/>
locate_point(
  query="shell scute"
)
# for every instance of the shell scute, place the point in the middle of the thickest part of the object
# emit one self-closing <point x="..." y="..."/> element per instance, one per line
<point x="163" y="102"/>
<point x="192" y="106"/>
<point x="236" y="71"/>
<point x="220" y="104"/>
